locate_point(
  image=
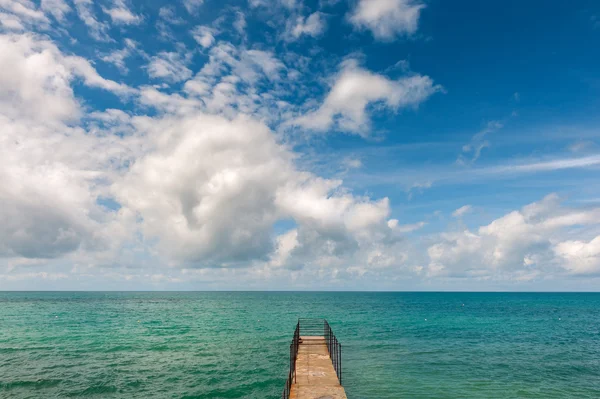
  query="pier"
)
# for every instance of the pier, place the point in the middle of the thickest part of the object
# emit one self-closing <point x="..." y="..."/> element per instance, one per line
<point x="315" y="363"/>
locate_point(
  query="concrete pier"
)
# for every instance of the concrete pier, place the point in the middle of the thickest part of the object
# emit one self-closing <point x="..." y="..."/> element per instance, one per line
<point x="315" y="363"/>
<point x="315" y="376"/>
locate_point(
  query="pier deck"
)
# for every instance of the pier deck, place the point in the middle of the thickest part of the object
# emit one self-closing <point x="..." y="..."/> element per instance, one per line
<point x="315" y="375"/>
<point x="315" y="363"/>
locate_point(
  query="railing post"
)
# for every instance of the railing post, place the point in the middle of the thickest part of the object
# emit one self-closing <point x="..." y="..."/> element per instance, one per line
<point x="336" y="353"/>
<point x="340" y="364"/>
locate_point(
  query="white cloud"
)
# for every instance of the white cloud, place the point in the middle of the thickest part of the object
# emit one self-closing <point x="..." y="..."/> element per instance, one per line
<point x="285" y="245"/>
<point x="212" y="188"/>
<point x="210" y="199"/>
<point x="230" y="82"/>
<point x="240" y="22"/>
<point x="16" y="15"/>
<point x="249" y="66"/>
<point x="520" y="243"/>
<point x="204" y="35"/>
<point x="40" y="87"/>
<point x="405" y="228"/>
<point x="34" y="275"/>
<point x="580" y="257"/>
<point x="472" y="151"/>
<point x="544" y="166"/>
<point x="462" y="211"/>
<point x="51" y="172"/>
<point x="11" y="22"/>
<point x="192" y="6"/>
<point x="118" y="57"/>
<point x="418" y="188"/>
<point x="58" y="8"/>
<point x="169" y="66"/>
<point x="314" y="25"/>
<point x="168" y="14"/>
<point x="582" y="145"/>
<point x="352" y="163"/>
<point x="327" y="3"/>
<point x="120" y="14"/>
<point x="289" y="4"/>
<point x="174" y="103"/>
<point x="98" y="30"/>
<point x="24" y="9"/>
<point x="387" y="19"/>
<point x="266" y="61"/>
<point x="83" y="69"/>
<point x="345" y="107"/>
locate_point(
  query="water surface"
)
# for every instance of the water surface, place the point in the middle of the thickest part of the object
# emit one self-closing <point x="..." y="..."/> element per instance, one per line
<point x="235" y="345"/>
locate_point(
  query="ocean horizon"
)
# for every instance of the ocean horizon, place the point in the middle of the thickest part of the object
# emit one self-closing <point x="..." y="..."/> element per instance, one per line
<point x="234" y="344"/>
<point x="329" y="290"/>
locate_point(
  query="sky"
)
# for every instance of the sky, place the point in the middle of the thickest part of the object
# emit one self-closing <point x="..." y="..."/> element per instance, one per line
<point x="300" y="145"/>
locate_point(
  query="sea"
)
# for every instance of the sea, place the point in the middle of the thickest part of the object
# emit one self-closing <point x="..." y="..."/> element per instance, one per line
<point x="236" y="344"/>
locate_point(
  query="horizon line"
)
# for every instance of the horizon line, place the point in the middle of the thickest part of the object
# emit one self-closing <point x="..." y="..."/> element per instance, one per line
<point x="324" y="291"/>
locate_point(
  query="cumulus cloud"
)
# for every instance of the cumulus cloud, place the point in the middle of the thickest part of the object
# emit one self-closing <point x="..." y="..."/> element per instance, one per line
<point x="39" y="88"/>
<point x="387" y="19"/>
<point x="285" y="245"/>
<point x="212" y="188"/>
<point x="354" y="89"/>
<point x="211" y="185"/>
<point x="523" y="242"/>
<point x="29" y="228"/>
<point x="50" y="170"/>
<point x="580" y="257"/>
<point x="34" y="80"/>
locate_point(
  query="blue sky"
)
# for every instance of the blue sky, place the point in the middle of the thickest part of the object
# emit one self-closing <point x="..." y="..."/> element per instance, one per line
<point x="282" y="144"/>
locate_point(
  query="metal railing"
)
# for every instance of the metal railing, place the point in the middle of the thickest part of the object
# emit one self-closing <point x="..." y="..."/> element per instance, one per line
<point x="293" y="355"/>
<point x="335" y="350"/>
<point x="313" y="328"/>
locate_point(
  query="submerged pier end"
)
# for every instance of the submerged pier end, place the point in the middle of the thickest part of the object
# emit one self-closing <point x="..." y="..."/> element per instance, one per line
<point x="315" y="363"/>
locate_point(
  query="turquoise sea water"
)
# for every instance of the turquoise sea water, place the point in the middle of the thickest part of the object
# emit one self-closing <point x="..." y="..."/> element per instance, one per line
<point x="235" y="345"/>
